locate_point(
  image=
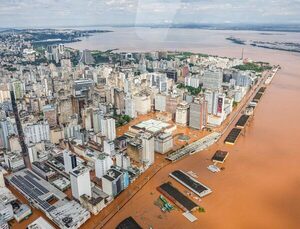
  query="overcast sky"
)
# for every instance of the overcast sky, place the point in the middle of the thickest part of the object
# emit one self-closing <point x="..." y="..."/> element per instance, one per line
<point x="32" y="13"/>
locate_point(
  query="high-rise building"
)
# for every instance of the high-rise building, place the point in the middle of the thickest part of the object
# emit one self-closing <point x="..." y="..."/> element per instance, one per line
<point x="182" y="113"/>
<point x="114" y="181"/>
<point x="215" y="102"/>
<point x="37" y="132"/>
<point x="108" y="128"/>
<point x="109" y="147"/>
<point x="70" y="161"/>
<point x="2" y="182"/>
<point x="97" y="116"/>
<point x="80" y="182"/>
<point x="142" y="103"/>
<point x="160" y="102"/>
<point x="163" y="143"/>
<point x="212" y="80"/>
<point x="172" y="74"/>
<point x="122" y="160"/>
<point x="102" y="165"/>
<point x="4" y="134"/>
<point x="198" y="113"/>
<point x="148" y="148"/>
<point x="130" y="107"/>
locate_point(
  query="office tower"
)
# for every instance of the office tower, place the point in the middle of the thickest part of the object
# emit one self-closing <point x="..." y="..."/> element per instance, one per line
<point x="2" y="182"/>
<point x="142" y="103"/>
<point x="193" y="81"/>
<point x="160" y="102"/>
<point x="130" y="107"/>
<point x="171" y="104"/>
<point x="114" y="181"/>
<point x="4" y="134"/>
<point x="198" y="113"/>
<point x="148" y="148"/>
<point x="70" y="161"/>
<point x="109" y="147"/>
<point x="215" y="102"/>
<point x="163" y="143"/>
<point x="212" y="79"/>
<point x="172" y="74"/>
<point x="182" y="113"/>
<point x="102" y="165"/>
<point x="119" y="99"/>
<point x="14" y="161"/>
<point x="108" y="128"/>
<point x="80" y="182"/>
<point x="122" y="160"/>
<point x="97" y="116"/>
<point x="37" y="132"/>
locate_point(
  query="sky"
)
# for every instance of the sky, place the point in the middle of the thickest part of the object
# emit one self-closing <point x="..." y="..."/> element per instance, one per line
<point x="51" y="13"/>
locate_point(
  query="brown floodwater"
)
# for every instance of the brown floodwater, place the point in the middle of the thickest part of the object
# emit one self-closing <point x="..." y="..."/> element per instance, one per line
<point x="259" y="187"/>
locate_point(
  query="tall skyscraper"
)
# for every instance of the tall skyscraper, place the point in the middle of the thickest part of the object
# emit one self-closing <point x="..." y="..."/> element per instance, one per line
<point x="80" y="182"/>
<point x="212" y="80"/>
<point x="108" y="128"/>
<point x="102" y="165"/>
<point x="182" y="113"/>
<point x="148" y="148"/>
<point x="198" y="113"/>
<point x="70" y="161"/>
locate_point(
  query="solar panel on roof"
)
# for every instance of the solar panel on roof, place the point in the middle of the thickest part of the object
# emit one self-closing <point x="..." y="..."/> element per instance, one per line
<point x="43" y="190"/>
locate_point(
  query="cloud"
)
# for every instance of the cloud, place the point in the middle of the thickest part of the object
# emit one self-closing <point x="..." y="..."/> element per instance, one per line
<point x="24" y="13"/>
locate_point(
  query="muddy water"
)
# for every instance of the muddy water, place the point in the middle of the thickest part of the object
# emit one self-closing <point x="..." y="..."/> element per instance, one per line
<point x="259" y="187"/>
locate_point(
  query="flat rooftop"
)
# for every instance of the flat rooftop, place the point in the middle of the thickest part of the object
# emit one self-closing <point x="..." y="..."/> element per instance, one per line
<point x="177" y="197"/>
<point x="189" y="182"/>
<point x="257" y="97"/>
<point x="220" y="156"/>
<point x="262" y="90"/>
<point x="79" y="170"/>
<point x="232" y="136"/>
<point x="128" y="223"/>
<point x="242" y="121"/>
<point x="152" y="125"/>
<point x="35" y="189"/>
<point x="40" y="223"/>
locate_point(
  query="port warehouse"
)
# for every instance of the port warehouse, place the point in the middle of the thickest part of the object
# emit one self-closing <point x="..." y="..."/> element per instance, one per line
<point x="190" y="183"/>
<point x="128" y="223"/>
<point x="241" y="123"/>
<point x="174" y="195"/>
<point x="220" y="156"/>
<point x="233" y="136"/>
<point x="235" y="132"/>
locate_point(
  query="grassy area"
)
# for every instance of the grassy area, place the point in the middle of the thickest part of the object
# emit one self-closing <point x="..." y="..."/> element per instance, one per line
<point x="192" y="90"/>
<point x="253" y="67"/>
<point x="122" y="120"/>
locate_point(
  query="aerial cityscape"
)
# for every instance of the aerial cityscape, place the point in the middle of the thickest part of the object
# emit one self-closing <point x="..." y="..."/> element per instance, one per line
<point x="152" y="122"/>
